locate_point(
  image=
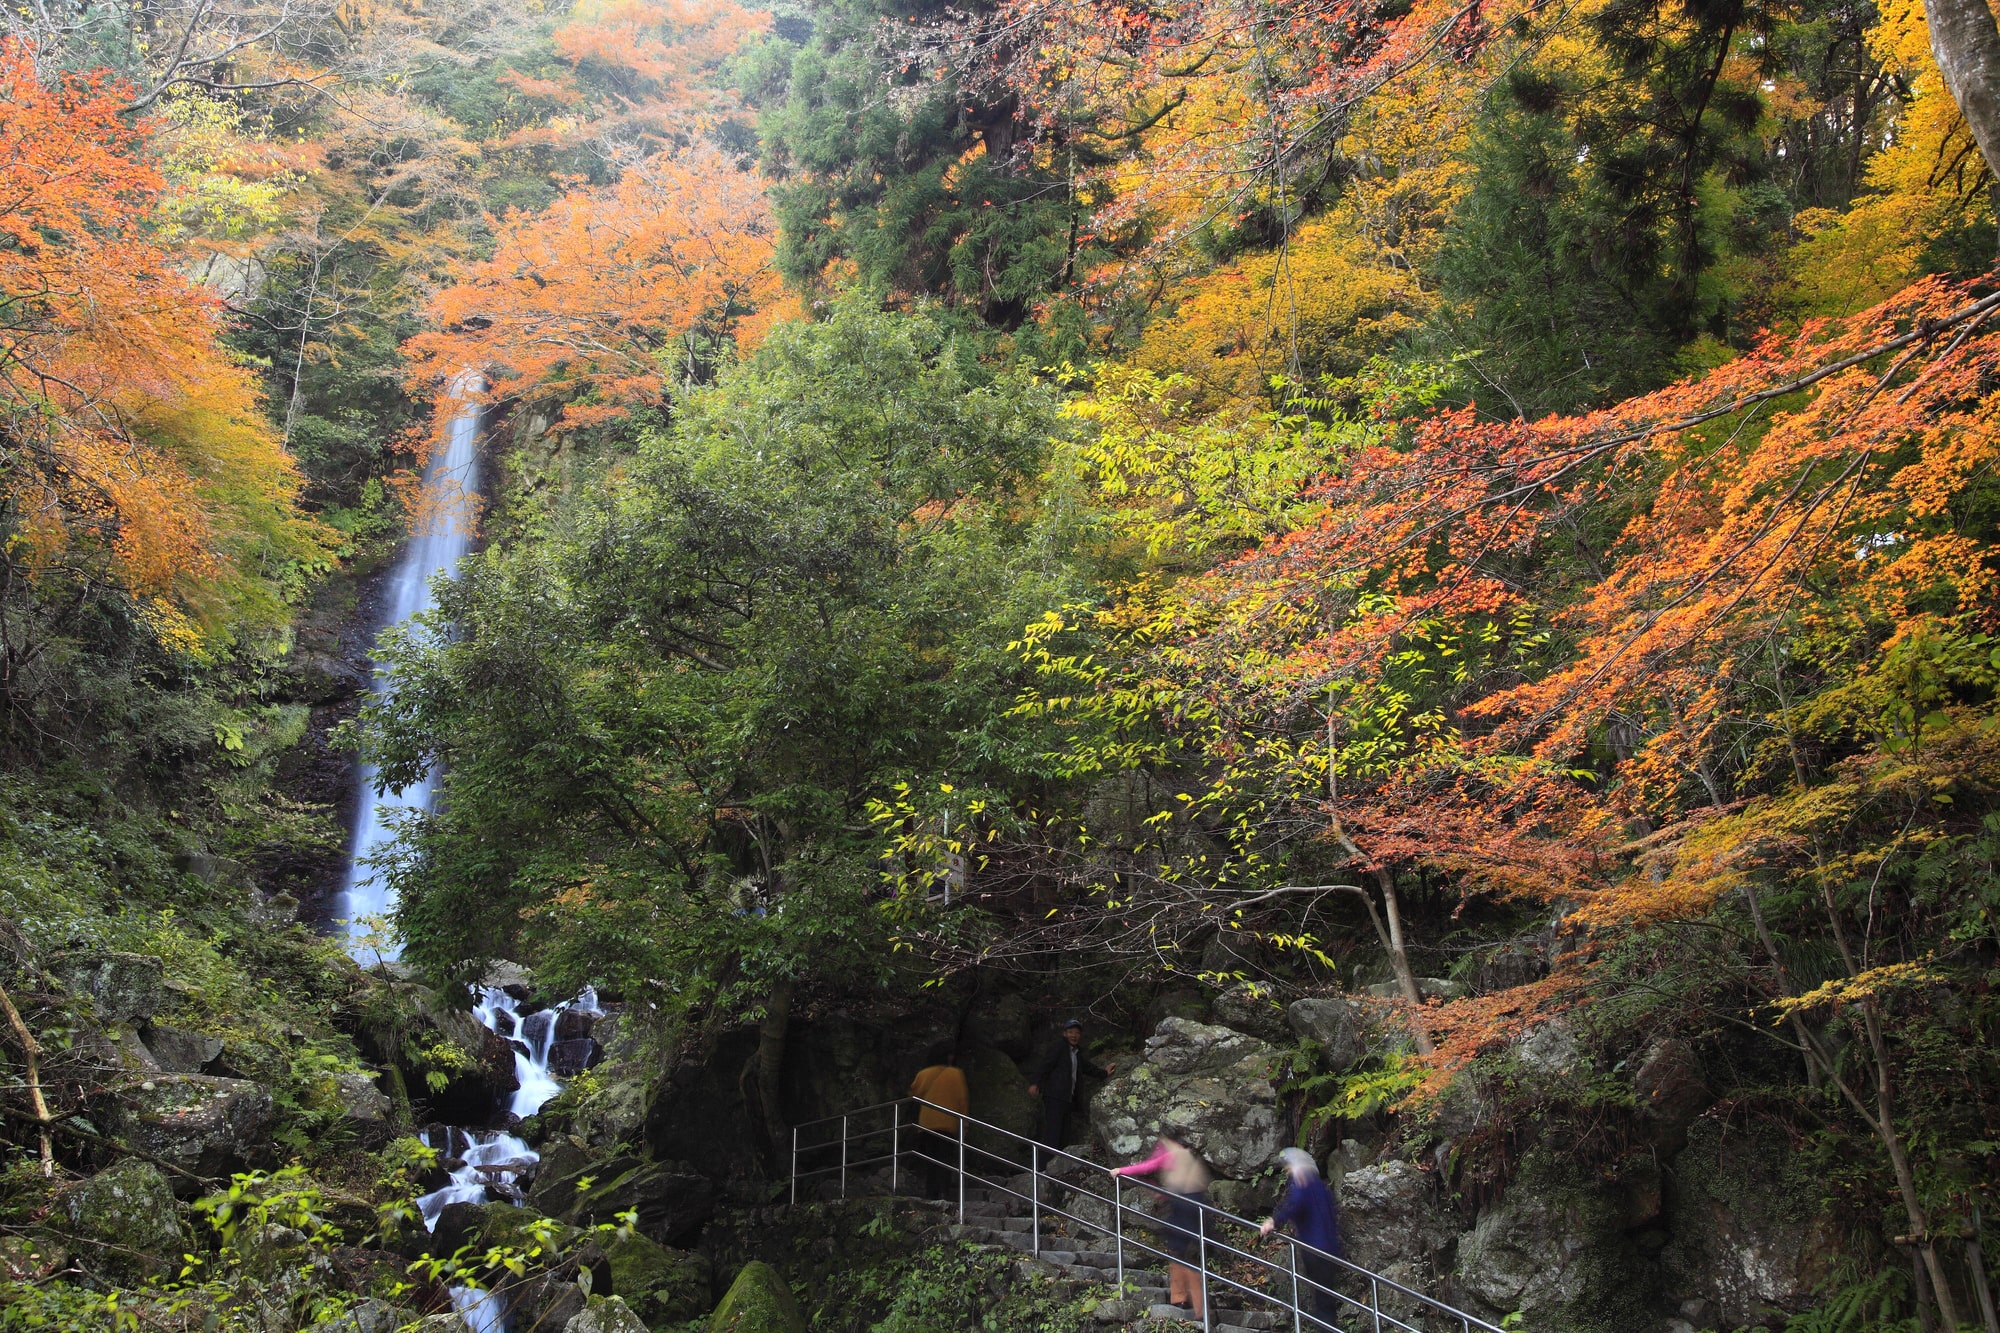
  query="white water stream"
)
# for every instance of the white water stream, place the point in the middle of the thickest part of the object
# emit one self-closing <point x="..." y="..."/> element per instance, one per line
<point x="447" y="518"/>
<point x="493" y="1162"/>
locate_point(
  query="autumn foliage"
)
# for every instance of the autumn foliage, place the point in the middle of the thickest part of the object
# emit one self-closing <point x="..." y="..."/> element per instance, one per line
<point x="137" y="453"/>
<point x="609" y="297"/>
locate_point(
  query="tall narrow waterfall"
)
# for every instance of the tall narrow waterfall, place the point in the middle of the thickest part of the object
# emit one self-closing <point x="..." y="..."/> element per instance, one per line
<point x="442" y="535"/>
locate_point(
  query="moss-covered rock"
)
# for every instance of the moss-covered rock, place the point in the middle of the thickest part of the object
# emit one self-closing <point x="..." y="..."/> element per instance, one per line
<point x="205" y="1125"/>
<point x="759" y="1301"/>
<point x="606" y="1314"/>
<point x="126" y="1222"/>
<point x="664" y="1287"/>
<point x="123" y="988"/>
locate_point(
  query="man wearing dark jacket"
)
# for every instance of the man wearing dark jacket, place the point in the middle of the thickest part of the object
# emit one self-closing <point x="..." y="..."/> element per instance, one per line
<point x="1057" y="1079"/>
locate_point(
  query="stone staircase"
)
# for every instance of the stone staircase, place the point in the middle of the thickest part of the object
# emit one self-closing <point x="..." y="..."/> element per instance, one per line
<point x="1075" y="1250"/>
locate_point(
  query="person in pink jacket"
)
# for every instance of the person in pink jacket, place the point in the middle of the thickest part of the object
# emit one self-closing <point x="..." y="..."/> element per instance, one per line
<point x="1184" y="1176"/>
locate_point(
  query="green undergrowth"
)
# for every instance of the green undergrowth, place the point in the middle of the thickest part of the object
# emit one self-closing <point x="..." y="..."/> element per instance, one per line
<point x="104" y="878"/>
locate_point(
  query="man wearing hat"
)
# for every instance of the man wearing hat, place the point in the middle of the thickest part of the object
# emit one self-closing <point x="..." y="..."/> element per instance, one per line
<point x="1058" y="1080"/>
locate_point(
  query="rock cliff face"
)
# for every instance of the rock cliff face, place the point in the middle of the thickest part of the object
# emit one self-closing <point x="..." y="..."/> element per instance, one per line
<point x="1712" y="1228"/>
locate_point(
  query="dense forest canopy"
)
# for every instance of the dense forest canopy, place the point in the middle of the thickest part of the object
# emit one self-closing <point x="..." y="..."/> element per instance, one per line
<point x="1371" y="480"/>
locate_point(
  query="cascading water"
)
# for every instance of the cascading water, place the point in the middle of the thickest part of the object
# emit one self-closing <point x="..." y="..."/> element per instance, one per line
<point x="482" y="1164"/>
<point x="442" y="537"/>
<point x="492" y="1163"/>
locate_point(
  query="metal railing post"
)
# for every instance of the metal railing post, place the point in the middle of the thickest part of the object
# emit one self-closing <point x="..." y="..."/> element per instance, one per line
<point x="843" y="1157"/>
<point x="1292" y="1249"/>
<point x="1375" y="1300"/>
<point x="895" y="1147"/>
<point x="961" y="1170"/>
<point x="1201" y="1254"/>
<point x="1035" y="1200"/>
<point x="795" y="1166"/>
<point x="1118" y="1222"/>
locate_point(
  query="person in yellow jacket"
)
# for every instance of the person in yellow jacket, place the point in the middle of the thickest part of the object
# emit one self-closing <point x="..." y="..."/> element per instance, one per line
<point x="942" y="1085"/>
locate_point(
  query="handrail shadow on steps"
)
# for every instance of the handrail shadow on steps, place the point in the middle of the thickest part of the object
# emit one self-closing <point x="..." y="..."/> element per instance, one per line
<point x="1287" y="1289"/>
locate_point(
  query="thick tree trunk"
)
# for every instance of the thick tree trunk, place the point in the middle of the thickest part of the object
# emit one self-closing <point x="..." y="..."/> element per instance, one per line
<point x="771" y="1034"/>
<point x="1966" y="41"/>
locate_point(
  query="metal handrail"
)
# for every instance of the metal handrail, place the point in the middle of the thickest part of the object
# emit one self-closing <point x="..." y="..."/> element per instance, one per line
<point x="1209" y="1218"/>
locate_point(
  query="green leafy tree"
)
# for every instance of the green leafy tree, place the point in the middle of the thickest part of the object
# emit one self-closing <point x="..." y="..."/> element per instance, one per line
<point x="660" y="726"/>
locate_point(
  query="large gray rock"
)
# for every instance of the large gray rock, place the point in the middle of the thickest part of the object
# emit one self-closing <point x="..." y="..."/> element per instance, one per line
<point x="1459" y="1109"/>
<point x="206" y="1125"/>
<point x="126" y="1220"/>
<point x="615" y="1110"/>
<point x="1557" y="1248"/>
<point x="501" y="973"/>
<point x="123" y="1050"/>
<point x="1430" y="988"/>
<point x="1332" y="1024"/>
<point x="366" y="1109"/>
<point x="1391" y="1213"/>
<point x="1550" y="1048"/>
<point x="1746" y="1235"/>
<point x="1506" y="966"/>
<point x="1251" y="1008"/>
<point x="124" y="988"/>
<point x="1212" y="1081"/>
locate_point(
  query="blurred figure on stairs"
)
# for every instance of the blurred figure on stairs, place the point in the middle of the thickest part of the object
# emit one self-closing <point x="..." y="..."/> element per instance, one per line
<point x="940" y="1082"/>
<point x="1309" y="1210"/>
<point x="1184" y="1176"/>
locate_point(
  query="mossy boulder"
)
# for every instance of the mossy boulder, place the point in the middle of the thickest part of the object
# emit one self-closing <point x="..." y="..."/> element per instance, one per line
<point x="127" y="1222"/>
<point x="759" y="1301"/>
<point x="205" y="1125"/>
<point x="665" y="1288"/>
<point x="123" y="988"/>
<point x="606" y="1314"/>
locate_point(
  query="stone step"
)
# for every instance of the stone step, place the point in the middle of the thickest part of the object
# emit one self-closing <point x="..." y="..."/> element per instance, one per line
<point x="1220" y="1318"/>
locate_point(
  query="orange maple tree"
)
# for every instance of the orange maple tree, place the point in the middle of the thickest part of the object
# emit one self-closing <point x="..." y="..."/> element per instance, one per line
<point x="609" y="297"/>
<point x="135" y="457"/>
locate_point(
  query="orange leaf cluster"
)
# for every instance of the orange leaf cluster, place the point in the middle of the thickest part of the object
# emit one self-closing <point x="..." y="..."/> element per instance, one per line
<point x="136" y="452"/>
<point x="600" y="302"/>
<point x="1820" y="460"/>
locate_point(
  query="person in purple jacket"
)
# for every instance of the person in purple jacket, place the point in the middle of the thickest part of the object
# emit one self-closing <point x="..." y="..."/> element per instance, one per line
<point x="1309" y="1210"/>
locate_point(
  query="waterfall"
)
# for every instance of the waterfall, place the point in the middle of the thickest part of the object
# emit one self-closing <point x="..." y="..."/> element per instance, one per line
<point x="494" y="1163"/>
<point x="442" y="535"/>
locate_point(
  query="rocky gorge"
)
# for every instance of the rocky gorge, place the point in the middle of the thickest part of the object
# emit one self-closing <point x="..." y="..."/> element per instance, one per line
<point x="641" y="1194"/>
